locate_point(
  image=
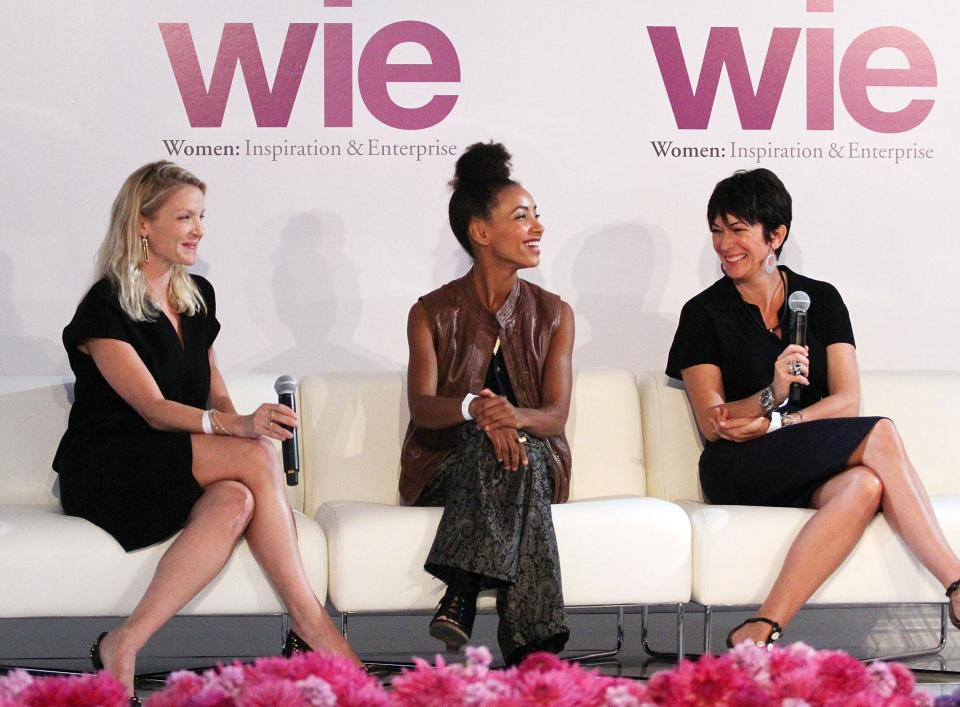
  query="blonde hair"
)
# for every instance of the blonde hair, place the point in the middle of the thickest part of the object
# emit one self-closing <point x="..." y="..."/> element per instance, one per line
<point x="120" y="256"/>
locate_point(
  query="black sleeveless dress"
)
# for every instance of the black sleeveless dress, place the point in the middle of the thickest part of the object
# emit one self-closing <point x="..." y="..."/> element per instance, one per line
<point x="785" y="467"/>
<point x="134" y="482"/>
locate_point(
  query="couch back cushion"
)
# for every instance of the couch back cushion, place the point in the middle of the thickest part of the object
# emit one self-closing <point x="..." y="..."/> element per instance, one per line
<point x="33" y="417"/>
<point x="915" y="400"/>
<point x="354" y="425"/>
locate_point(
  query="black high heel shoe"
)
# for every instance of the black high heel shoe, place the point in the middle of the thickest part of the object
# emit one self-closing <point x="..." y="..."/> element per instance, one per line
<point x="453" y="622"/>
<point x="950" y="590"/>
<point x="294" y="644"/>
<point x="97" y="661"/>
<point x="95" y="652"/>
<point x="776" y="630"/>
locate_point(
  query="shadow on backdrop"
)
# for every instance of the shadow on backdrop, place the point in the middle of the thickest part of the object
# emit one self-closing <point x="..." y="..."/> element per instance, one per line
<point x="25" y="355"/>
<point x="618" y="276"/>
<point x="316" y="293"/>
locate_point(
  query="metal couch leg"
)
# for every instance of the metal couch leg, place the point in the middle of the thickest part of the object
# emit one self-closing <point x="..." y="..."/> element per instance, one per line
<point x="662" y="655"/>
<point x="601" y="655"/>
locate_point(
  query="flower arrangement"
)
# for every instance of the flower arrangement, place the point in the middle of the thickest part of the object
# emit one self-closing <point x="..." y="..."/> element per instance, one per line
<point x="541" y="679"/>
<point x="20" y="689"/>
<point x="795" y="676"/>
<point x="747" y="676"/>
<point x="305" y="680"/>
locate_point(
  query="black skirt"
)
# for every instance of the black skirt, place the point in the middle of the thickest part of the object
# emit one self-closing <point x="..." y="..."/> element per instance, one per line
<point x="138" y="487"/>
<point x="782" y="468"/>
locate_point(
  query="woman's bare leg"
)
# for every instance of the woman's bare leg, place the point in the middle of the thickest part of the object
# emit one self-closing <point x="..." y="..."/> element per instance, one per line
<point x="845" y="506"/>
<point x="200" y="551"/>
<point x="271" y="532"/>
<point x="906" y="504"/>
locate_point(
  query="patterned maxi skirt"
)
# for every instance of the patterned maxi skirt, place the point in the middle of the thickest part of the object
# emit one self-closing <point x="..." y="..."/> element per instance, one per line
<point x="497" y="533"/>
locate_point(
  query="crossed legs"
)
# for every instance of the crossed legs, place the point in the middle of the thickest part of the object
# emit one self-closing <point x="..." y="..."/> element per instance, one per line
<point x="244" y="495"/>
<point x="879" y="476"/>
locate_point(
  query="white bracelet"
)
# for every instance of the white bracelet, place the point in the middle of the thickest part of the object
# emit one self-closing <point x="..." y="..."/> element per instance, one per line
<point x="776" y="422"/>
<point x="465" y="406"/>
<point x="206" y="424"/>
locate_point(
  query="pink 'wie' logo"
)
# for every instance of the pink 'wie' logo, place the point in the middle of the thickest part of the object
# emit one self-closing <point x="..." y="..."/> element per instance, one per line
<point x="757" y="108"/>
<point x="272" y="106"/>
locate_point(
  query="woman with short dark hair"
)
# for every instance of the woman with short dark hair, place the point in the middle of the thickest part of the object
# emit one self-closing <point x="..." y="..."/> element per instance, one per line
<point x="489" y="385"/>
<point x="732" y="350"/>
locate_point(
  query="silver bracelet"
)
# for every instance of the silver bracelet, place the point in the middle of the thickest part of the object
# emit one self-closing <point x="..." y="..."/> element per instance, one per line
<point x="206" y="424"/>
<point x="792" y="418"/>
<point x="767" y="401"/>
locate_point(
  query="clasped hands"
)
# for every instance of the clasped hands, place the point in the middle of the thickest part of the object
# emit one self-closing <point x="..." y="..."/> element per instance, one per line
<point x="501" y="422"/>
<point x="791" y="366"/>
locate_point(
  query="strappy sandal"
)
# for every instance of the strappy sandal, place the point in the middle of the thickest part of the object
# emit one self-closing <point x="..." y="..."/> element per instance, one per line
<point x="97" y="661"/>
<point x="950" y="590"/>
<point x="776" y="630"/>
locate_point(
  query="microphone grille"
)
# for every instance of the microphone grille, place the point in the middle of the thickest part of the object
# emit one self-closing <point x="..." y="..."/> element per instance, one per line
<point x="799" y="301"/>
<point x="285" y="384"/>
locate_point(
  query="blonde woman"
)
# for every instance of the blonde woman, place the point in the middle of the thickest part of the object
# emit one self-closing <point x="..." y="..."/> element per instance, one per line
<point x="154" y="445"/>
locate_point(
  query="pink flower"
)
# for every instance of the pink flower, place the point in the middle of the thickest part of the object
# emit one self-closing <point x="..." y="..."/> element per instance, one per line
<point x="621" y="692"/>
<point x="100" y="690"/>
<point x="317" y="692"/>
<point x="180" y="687"/>
<point x="556" y="688"/>
<point x="228" y="678"/>
<point x="273" y="693"/>
<point x="905" y="682"/>
<point x="428" y="687"/>
<point x="751" y="660"/>
<point x="838" y="678"/>
<point x="489" y="693"/>
<point x="541" y="661"/>
<point x="13" y="682"/>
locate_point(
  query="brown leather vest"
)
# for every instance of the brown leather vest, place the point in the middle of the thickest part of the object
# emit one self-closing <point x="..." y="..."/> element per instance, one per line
<point x="464" y="333"/>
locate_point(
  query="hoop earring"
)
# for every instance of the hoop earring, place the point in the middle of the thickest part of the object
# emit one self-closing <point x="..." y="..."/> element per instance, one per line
<point x="770" y="262"/>
<point x="145" y="248"/>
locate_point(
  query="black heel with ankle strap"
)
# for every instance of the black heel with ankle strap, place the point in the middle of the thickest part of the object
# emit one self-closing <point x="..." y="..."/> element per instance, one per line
<point x="97" y="661"/>
<point x="776" y="630"/>
<point x="950" y="590"/>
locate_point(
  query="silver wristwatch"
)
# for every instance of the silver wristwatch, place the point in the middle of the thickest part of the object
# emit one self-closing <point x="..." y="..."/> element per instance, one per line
<point x="767" y="401"/>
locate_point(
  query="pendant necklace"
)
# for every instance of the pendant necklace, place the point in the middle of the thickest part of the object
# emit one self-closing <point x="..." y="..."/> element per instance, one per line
<point x="754" y="310"/>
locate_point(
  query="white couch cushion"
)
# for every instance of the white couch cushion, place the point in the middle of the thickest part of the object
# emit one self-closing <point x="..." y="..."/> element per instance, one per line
<point x="612" y="551"/>
<point x="34" y="412"/>
<point x="914" y="400"/>
<point x="355" y="423"/>
<point x="738" y="552"/>
<point x="57" y="565"/>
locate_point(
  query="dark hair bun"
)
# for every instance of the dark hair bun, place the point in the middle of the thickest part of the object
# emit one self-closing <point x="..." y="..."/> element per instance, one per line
<point x="482" y="162"/>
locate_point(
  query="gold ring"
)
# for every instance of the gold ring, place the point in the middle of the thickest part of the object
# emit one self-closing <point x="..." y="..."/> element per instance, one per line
<point x="271" y="417"/>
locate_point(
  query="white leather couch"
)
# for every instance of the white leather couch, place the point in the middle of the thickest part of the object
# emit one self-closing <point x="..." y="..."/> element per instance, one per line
<point x="738" y="550"/>
<point x="611" y="537"/>
<point x="56" y="565"/>
<point x="635" y="532"/>
<point x="618" y="547"/>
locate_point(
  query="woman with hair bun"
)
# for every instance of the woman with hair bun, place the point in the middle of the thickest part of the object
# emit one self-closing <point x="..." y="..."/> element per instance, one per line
<point x="489" y="382"/>
<point x="154" y="444"/>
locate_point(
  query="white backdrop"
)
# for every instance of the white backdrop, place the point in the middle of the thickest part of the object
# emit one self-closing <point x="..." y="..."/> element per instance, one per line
<point x="316" y="260"/>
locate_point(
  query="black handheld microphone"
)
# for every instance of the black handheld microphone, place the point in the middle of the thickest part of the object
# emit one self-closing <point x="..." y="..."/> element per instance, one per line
<point x="799" y="303"/>
<point x="286" y="387"/>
